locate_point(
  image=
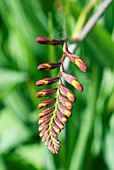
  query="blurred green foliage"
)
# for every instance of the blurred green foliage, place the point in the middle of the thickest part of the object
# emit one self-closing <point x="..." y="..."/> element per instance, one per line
<point x="88" y="139"/>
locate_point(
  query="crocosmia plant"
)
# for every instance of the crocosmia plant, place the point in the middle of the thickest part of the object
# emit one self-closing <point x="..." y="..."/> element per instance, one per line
<point x="53" y="118"/>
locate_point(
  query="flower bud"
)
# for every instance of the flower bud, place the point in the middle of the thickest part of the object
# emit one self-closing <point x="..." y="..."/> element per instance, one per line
<point x="66" y="92"/>
<point x="58" y="123"/>
<point x="44" y="118"/>
<point x="53" y="133"/>
<point x="40" y="122"/>
<point x="44" y="131"/>
<point x="44" y="138"/>
<point x="47" y="140"/>
<point x="57" y="148"/>
<point x="50" y="145"/>
<point x="45" y="93"/>
<point x="46" y="111"/>
<point x="46" y="103"/>
<point x="43" y="125"/>
<point x="48" y="65"/>
<point x="46" y="81"/>
<point x="64" y="110"/>
<point x="49" y="41"/>
<point x="56" y="128"/>
<point x="73" y="81"/>
<point x="61" y="117"/>
<point x="56" y="145"/>
<point x="65" y="102"/>
<point x="76" y="60"/>
<point x="56" y="141"/>
<point x="56" y="151"/>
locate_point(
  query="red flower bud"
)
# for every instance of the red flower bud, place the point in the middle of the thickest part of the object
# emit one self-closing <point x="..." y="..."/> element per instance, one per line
<point x="47" y="81"/>
<point x="43" y="125"/>
<point x="47" y="140"/>
<point x="50" y="145"/>
<point x="74" y="58"/>
<point x="45" y="93"/>
<point x="56" y="145"/>
<point x="53" y="133"/>
<point x="46" y="103"/>
<point x="52" y="148"/>
<point x="44" y="131"/>
<point x="64" y="110"/>
<point x="66" y="92"/>
<point x="56" y="128"/>
<point x="56" y="141"/>
<point x="58" y="123"/>
<point x="48" y="65"/>
<point x="44" y="118"/>
<point x="61" y="117"/>
<point x="46" y="111"/>
<point x="65" y="102"/>
<point x="44" y="138"/>
<point x="49" y="41"/>
<point x="73" y="81"/>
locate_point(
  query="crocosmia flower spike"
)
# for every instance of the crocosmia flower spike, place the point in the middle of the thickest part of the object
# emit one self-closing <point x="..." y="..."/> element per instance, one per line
<point x="57" y="110"/>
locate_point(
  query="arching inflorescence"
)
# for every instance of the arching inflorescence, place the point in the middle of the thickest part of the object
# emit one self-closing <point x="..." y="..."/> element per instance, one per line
<point x="52" y="119"/>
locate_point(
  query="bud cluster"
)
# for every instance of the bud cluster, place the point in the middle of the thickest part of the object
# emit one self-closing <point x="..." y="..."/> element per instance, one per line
<point x="52" y="119"/>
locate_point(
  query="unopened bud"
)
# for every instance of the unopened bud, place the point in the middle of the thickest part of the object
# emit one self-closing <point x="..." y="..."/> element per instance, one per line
<point x="66" y="92"/>
<point x="48" y="65"/>
<point x="45" y="93"/>
<point x="47" y="81"/>
<point x="49" y="41"/>
<point x="73" y="81"/>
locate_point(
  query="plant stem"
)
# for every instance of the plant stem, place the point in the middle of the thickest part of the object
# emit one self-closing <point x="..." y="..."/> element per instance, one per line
<point x="92" y="21"/>
<point x="82" y="18"/>
<point x="90" y="24"/>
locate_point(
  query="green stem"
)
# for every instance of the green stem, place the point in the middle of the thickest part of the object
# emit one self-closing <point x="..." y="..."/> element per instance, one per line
<point x="82" y="18"/>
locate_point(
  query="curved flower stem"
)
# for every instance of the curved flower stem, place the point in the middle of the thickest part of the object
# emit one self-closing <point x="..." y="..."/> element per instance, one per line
<point x="83" y="17"/>
<point x="91" y="22"/>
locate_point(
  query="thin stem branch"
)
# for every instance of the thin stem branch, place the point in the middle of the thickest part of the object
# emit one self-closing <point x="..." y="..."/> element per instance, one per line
<point x="82" y="18"/>
<point x="90" y="24"/>
<point x="92" y="21"/>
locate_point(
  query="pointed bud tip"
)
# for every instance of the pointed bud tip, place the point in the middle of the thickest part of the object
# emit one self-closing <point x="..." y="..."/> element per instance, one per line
<point x="83" y="67"/>
<point x="39" y="67"/>
<point x="80" y="64"/>
<point x="80" y="88"/>
<point x="42" y="40"/>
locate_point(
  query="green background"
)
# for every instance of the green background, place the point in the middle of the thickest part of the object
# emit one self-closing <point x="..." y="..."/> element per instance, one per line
<point x="88" y="139"/>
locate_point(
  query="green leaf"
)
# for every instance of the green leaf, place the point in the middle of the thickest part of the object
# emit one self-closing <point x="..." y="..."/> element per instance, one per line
<point x="109" y="23"/>
<point x="12" y="131"/>
<point x="19" y="106"/>
<point x="109" y="146"/>
<point x="34" y="154"/>
<point x="101" y="46"/>
<point x="9" y="79"/>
